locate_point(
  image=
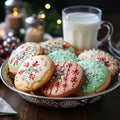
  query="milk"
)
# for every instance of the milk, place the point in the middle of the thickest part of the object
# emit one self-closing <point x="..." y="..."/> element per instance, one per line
<point x="81" y="29"/>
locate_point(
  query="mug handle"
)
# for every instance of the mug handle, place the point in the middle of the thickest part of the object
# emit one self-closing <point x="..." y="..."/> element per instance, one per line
<point x="108" y="36"/>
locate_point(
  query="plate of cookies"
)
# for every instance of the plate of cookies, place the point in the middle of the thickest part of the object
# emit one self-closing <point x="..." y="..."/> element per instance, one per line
<point x="53" y="74"/>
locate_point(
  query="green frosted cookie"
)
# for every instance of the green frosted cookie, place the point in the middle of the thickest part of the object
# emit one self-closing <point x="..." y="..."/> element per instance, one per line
<point x="20" y="54"/>
<point x="61" y="56"/>
<point x="97" y="77"/>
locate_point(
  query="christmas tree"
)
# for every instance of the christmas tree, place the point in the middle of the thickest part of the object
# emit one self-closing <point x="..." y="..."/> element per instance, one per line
<point x="50" y="15"/>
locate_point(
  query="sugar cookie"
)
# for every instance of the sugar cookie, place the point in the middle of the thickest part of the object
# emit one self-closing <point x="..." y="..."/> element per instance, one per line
<point x="55" y="45"/>
<point x="102" y="56"/>
<point x="61" y="56"/>
<point x="67" y="78"/>
<point x="97" y="77"/>
<point x="23" y="52"/>
<point x="34" y="73"/>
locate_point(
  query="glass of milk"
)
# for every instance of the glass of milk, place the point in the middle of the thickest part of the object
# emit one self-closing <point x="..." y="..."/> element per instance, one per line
<point x="81" y="25"/>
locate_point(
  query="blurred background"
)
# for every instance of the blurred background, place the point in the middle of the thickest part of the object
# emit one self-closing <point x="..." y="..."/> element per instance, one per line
<point x="49" y="11"/>
<point x="110" y="8"/>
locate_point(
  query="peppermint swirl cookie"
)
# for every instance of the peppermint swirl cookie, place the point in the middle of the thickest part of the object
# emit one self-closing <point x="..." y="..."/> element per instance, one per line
<point x="61" y="56"/>
<point x="23" y="52"/>
<point x="97" y="77"/>
<point x="34" y="73"/>
<point x="55" y="45"/>
<point x="67" y="78"/>
<point x="102" y="56"/>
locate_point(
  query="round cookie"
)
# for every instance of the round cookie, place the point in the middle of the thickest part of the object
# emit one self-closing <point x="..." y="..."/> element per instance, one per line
<point x="34" y="73"/>
<point x="97" y="77"/>
<point x="53" y="45"/>
<point x="61" y="56"/>
<point x="23" y="52"/>
<point x="67" y="78"/>
<point x="102" y="56"/>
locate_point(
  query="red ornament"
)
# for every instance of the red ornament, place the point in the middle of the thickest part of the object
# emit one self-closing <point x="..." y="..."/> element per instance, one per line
<point x="7" y="45"/>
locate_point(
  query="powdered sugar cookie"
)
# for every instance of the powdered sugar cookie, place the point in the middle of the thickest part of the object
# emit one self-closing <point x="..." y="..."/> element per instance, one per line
<point x="97" y="77"/>
<point x="102" y="56"/>
<point x="55" y="45"/>
<point x="23" y="52"/>
<point x="67" y="78"/>
<point x="34" y="73"/>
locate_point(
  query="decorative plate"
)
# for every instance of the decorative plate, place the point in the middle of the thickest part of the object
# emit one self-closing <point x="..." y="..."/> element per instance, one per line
<point x="114" y="47"/>
<point x="66" y="102"/>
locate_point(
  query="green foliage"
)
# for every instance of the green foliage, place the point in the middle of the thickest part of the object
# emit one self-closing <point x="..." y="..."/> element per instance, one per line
<point x="29" y="10"/>
<point x="51" y="22"/>
<point x="51" y="17"/>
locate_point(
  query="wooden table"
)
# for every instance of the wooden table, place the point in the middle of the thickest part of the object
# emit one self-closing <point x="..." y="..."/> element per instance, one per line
<point x="108" y="108"/>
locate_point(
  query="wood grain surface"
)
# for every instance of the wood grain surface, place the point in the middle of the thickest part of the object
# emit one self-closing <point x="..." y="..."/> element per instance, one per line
<point x="108" y="108"/>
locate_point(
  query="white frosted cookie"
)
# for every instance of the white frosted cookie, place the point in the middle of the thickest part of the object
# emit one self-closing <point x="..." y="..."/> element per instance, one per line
<point x="34" y="73"/>
<point x="102" y="56"/>
<point x="23" y="52"/>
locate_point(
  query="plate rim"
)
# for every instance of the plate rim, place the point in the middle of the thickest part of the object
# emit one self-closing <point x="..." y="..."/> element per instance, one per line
<point x="113" y="47"/>
<point x="56" y="98"/>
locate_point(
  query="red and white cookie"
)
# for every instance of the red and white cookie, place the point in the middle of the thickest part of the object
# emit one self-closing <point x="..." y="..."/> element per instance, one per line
<point x="55" y="45"/>
<point x="34" y="73"/>
<point x="23" y="52"/>
<point x="102" y="56"/>
<point x="67" y="78"/>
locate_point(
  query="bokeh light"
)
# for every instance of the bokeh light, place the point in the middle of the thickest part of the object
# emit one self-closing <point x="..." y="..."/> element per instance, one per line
<point x="59" y="21"/>
<point x="47" y="6"/>
<point x="43" y="16"/>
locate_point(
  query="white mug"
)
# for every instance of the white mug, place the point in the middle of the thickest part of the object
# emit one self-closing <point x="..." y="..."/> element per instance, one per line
<point x="81" y="25"/>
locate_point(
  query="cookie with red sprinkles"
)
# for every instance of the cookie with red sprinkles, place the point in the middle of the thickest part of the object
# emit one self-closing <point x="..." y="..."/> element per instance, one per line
<point x="55" y="45"/>
<point x="68" y="77"/>
<point x="34" y="73"/>
<point x="20" y="54"/>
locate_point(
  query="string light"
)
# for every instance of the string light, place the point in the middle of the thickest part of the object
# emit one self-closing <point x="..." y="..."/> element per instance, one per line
<point x="43" y="16"/>
<point x="47" y="6"/>
<point x="34" y="30"/>
<point x="40" y="27"/>
<point x="39" y="16"/>
<point x="2" y="32"/>
<point x="59" y="21"/>
<point x="67" y="17"/>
